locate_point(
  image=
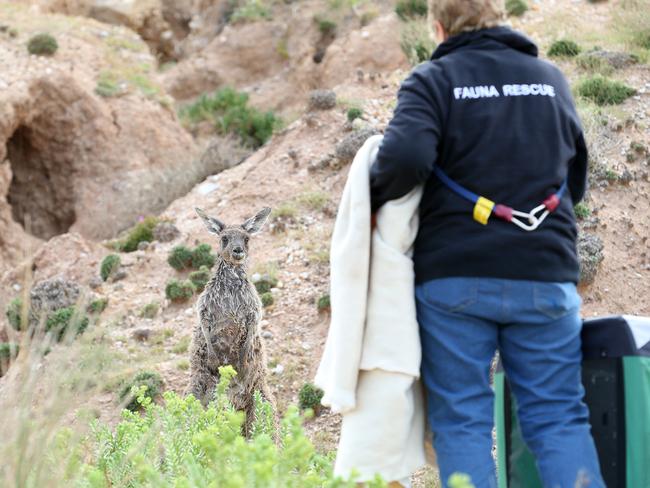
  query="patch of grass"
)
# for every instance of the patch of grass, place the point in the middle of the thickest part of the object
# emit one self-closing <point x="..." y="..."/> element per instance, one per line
<point x="411" y="9"/>
<point x="594" y="64"/>
<point x="323" y="303"/>
<point x="98" y="306"/>
<point x="282" y="48"/>
<point x="200" y="278"/>
<point x="109" y="266"/>
<point x="516" y="8"/>
<point x="107" y="85"/>
<point x="64" y="321"/>
<point x="150" y="310"/>
<point x="416" y="41"/>
<point x="326" y="26"/>
<point x="633" y="22"/>
<point x="314" y="200"/>
<point x="182" y="345"/>
<point x="141" y="232"/>
<point x="183" y="365"/>
<point x="15" y="314"/>
<point x="581" y="211"/>
<point x="354" y="113"/>
<point x="42" y="45"/>
<point x="251" y="11"/>
<point x="610" y="175"/>
<point x="149" y="379"/>
<point x="228" y="110"/>
<point x="564" y="48"/>
<point x="267" y="299"/>
<point x="285" y="210"/>
<point x="179" y="291"/>
<point x="603" y="91"/>
<point x="8" y="351"/>
<point x="310" y="396"/>
<point x="202" y="256"/>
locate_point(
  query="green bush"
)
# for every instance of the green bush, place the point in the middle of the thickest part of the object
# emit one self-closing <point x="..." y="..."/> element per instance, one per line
<point x="265" y="283"/>
<point x="14" y="314"/>
<point x="354" y="113"/>
<point x="149" y="379"/>
<point x="180" y="258"/>
<point x="179" y="291"/>
<point x="581" y="211"/>
<point x="267" y="299"/>
<point x="64" y="321"/>
<point x="564" y="48"/>
<point x="251" y="11"/>
<point x="141" y="232"/>
<point x="415" y="41"/>
<point x="202" y="256"/>
<point x="310" y="396"/>
<point x="110" y="264"/>
<point x="516" y="7"/>
<point x="42" y="45"/>
<point x="228" y="110"/>
<point x="326" y="27"/>
<point x="8" y="351"/>
<point x="603" y="91"/>
<point x="411" y="9"/>
<point x="200" y="278"/>
<point x="150" y="310"/>
<point x="323" y="303"/>
<point x="98" y="306"/>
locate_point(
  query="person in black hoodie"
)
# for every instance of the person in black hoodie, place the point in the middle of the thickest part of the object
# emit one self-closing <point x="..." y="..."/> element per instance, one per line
<point x="489" y="129"/>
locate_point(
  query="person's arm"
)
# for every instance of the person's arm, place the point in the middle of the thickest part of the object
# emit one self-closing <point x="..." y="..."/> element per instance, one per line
<point x="410" y="146"/>
<point x="578" y="167"/>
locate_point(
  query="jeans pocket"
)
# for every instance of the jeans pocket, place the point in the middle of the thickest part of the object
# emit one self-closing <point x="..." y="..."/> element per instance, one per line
<point x="451" y="294"/>
<point x="555" y="300"/>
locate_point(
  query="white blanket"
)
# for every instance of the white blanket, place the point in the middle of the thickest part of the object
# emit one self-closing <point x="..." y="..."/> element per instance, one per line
<point x="371" y="363"/>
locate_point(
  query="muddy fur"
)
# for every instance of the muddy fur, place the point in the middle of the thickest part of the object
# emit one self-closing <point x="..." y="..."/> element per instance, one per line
<point x="227" y="331"/>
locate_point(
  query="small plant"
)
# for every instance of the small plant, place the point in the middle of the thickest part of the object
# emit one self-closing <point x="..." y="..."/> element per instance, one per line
<point x="200" y="278"/>
<point x="286" y="210"/>
<point x="8" y="352"/>
<point x="354" y="113"/>
<point x="314" y="200"/>
<point x="323" y="303"/>
<point x="610" y="175"/>
<point x="594" y="64"/>
<point x="581" y="211"/>
<point x="516" y="7"/>
<point x="64" y="321"/>
<point x="251" y="11"/>
<point x="603" y="91"/>
<point x="265" y="283"/>
<point x="141" y="232"/>
<point x="416" y="42"/>
<point x="202" y="256"/>
<point x="150" y="310"/>
<point x="564" y="48"/>
<point x="310" y="396"/>
<point x="411" y="9"/>
<point x="179" y="291"/>
<point x="98" y="306"/>
<point x="149" y="379"/>
<point x="267" y="299"/>
<point x="107" y="86"/>
<point x="14" y="314"/>
<point x="182" y="345"/>
<point x="180" y="258"/>
<point x="42" y="45"/>
<point x="183" y="365"/>
<point x="109" y="266"/>
<point x="326" y="27"/>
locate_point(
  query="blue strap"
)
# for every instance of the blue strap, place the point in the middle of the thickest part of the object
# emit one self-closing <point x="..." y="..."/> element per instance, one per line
<point x="453" y="186"/>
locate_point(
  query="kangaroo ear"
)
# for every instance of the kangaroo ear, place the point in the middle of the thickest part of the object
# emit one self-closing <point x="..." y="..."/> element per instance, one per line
<point x="255" y="223"/>
<point x="214" y="226"/>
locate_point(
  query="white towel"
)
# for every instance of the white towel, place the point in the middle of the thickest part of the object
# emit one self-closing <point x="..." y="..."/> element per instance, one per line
<point x="371" y="362"/>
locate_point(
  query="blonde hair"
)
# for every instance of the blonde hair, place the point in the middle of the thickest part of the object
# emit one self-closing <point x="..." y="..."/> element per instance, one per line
<point x="458" y="16"/>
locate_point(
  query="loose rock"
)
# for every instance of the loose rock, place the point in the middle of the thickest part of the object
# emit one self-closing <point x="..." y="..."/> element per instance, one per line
<point x="348" y="147"/>
<point x="322" y="100"/>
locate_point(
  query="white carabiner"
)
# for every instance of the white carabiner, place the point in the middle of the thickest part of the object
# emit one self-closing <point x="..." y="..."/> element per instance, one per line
<point x="531" y="216"/>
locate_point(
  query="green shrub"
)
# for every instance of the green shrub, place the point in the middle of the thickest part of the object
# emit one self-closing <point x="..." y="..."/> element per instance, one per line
<point x="141" y="232"/>
<point x="110" y="264"/>
<point x="202" y="256"/>
<point x="265" y="283"/>
<point x="98" y="306"/>
<point x="267" y="299"/>
<point x="594" y="64"/>
<point x="581" y="211"/>
<point x="64" y="321"/>
<point x="107" y="87"/>
<point x="14" y="314"/>
<point x="516" y="7"/>
<point x="603" y="91"/>
<point x="251" y="11"/>
<point x="564" y="48"/>
<point x="8" y="351"/>
<point x="310" y="396"/>
<point x="180" y="258"/>
<point x="228" y="110"/>
<point x="149" y="379"/>
<point x="326" y="27"/>
<point x="323" y="303"/>
<point x="179" y="291"/>
<point x="200" y="278"/>
<point x="150" y="310"/>
<point x="354" y="113"/>
<point x="416" y="42"/>
<point x="42" y="45"/>
<point x="411" y="9"/>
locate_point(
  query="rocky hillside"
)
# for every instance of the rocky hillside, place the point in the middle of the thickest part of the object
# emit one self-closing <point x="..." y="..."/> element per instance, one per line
<point x="80" y="166"/>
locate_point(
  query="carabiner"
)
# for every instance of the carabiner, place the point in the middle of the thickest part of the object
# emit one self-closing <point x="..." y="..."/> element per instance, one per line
<point x="531" y="216"/>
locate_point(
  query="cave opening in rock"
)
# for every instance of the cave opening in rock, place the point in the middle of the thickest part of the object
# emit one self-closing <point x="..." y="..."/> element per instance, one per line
<point x="41" y="193"/>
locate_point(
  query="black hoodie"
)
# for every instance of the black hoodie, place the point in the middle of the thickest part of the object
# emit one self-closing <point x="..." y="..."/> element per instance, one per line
<point x="502" y="123"/>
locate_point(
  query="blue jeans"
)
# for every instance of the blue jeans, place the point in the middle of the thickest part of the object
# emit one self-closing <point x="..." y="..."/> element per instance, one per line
<point x="536" y="328"/>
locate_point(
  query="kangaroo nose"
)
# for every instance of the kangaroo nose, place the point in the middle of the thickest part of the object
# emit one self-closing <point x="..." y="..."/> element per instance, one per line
<point x="237" y="250"/>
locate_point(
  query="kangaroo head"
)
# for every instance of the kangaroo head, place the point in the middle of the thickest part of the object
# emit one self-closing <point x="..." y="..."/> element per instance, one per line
<point x="234" y="238"/>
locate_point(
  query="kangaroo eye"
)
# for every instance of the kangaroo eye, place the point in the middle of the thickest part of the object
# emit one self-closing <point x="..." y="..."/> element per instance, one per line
<point x="246" y="240"/>
<point x="224" y="241"/>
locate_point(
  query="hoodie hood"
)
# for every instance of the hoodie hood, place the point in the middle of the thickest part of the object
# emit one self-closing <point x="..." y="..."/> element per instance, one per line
<point x="486" y="38"/>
